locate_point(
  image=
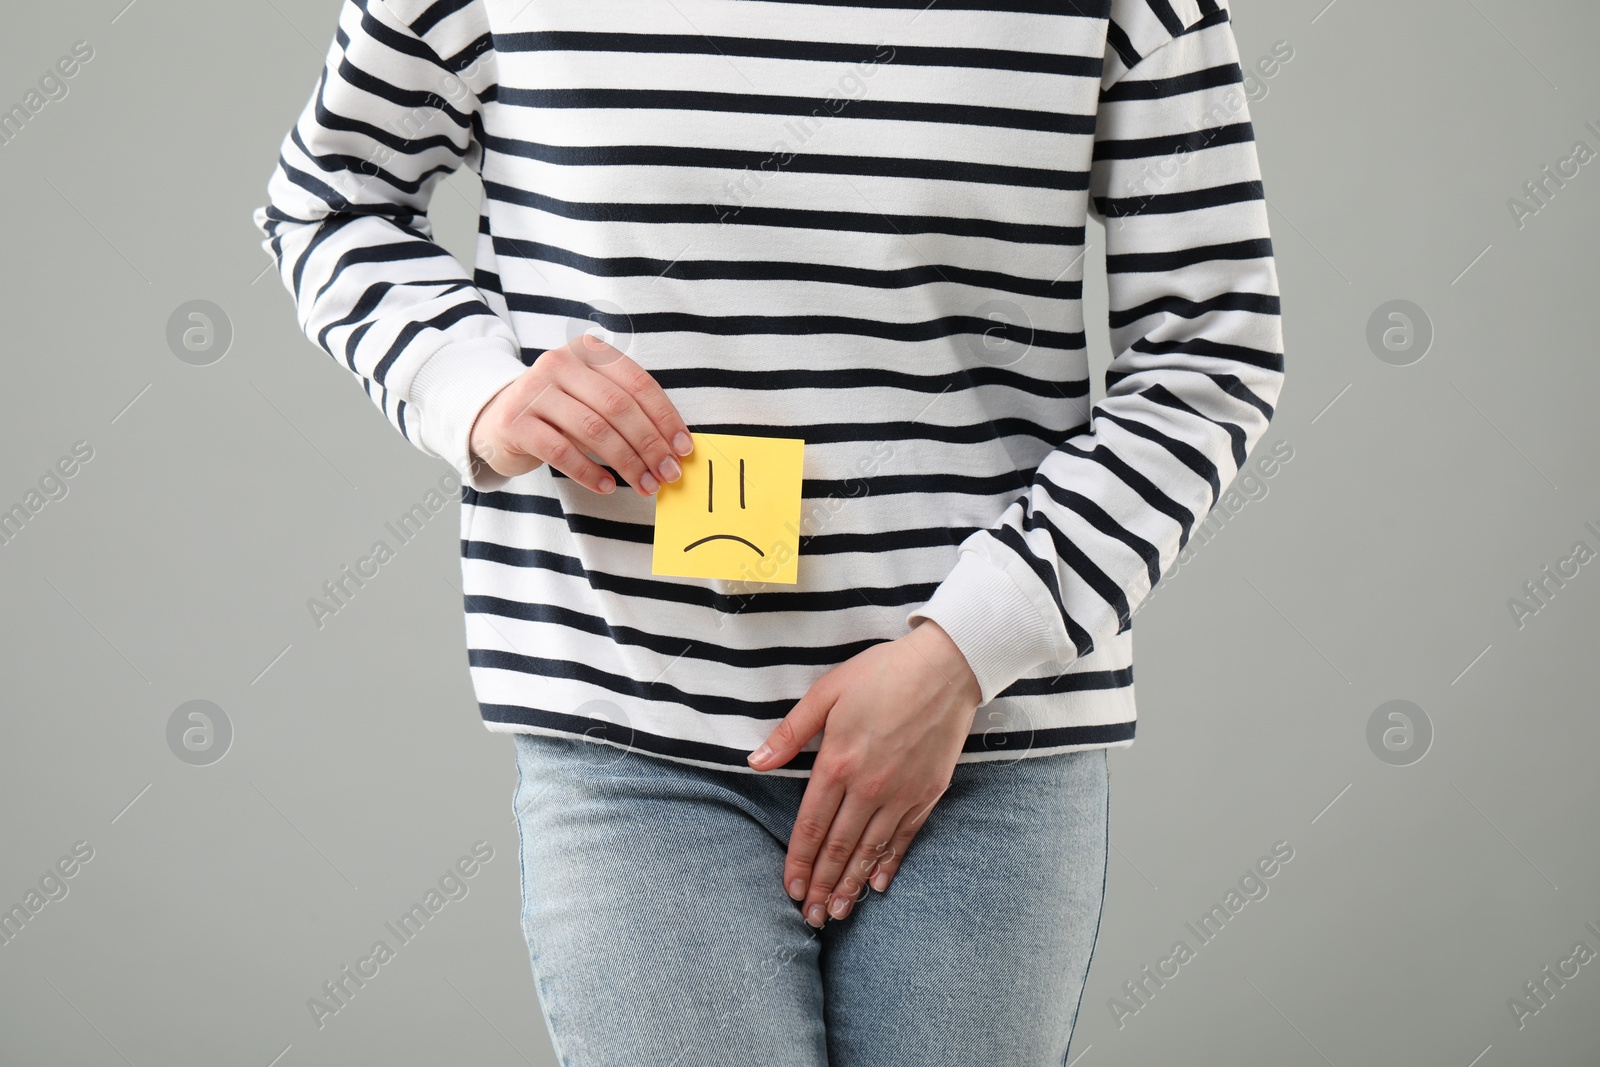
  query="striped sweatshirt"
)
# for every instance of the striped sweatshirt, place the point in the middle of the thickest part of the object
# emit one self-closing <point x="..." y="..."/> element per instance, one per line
<point x="861" y="224"/>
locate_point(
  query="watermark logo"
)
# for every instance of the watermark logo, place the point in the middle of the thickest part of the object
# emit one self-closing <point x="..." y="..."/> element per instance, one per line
<point x="1248" y="486"/>
<point x="1251" y="886"/>
<point x="610" y="723"/>
<point x="52" y="86"/>
<point x="199" y="732"/>
<point x="1158" y="175"/>
<point x="606" y="321"/>
<point x="1399" y="733"/>
<point x="340" y="590"/>
<point x="1005" y="342"/>
<point x="51" y="486"/>
<point x="1399" y="333"/>
<point x="1264" y="69"/>
<point x="52" y="887"/>
<point x="1012" y="732"/>
<point x="339" y="990"/>
<point x="1543" y="587"/>
<point x="1544" y="188"/>
<point x="1543" y="987"/>
<point x="199" y="332"/>
<point x="851" y="86"/>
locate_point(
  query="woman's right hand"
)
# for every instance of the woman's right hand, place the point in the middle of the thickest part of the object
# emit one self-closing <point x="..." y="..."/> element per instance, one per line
<point x="584" y="399"/>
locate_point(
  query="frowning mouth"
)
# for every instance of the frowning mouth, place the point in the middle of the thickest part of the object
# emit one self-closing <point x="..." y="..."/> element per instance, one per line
<point x="724" y="537"/>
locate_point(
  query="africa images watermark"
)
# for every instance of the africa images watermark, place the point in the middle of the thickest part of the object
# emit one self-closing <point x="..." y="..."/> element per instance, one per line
<point x="338" y="991"/>
<point x="1542" y="588"/>
<point x="1250" y="485"/>
<point x="1264" y="69"/>
<point x="52" y="86"/>
<point x="849" y="88"/>
<point x="822" y="511"/>
<point x="817" y="515"/>
<point x="1543" y="987"/>
<point x="1153" y="177"/>
<point x="52" y="486"/>
<point x="1252" y="886"/>
<point x="52" y="887"/>
<point x="1540" y="191"/>
<point x="340" y="590"/>
<point x="410" y="126"/>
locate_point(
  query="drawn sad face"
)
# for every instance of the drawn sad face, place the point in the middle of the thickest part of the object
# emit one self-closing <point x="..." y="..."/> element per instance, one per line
<point x="735" y="513"/>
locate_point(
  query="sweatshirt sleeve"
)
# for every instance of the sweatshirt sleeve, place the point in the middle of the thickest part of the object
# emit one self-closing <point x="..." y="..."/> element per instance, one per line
<point x="1196" y="367"/>
<point x="346" y="224"/>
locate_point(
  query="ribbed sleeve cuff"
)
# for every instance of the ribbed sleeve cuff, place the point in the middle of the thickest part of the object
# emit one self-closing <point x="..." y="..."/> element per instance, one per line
<point x="450" y="389"/>
<point x="991" y="620"/>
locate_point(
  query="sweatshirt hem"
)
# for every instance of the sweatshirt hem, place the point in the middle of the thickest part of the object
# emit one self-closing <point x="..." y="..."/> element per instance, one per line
<point x="981" y="746"/>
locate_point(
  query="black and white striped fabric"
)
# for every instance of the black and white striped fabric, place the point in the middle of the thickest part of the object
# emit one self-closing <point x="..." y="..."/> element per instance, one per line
<point x="857" y="223"/>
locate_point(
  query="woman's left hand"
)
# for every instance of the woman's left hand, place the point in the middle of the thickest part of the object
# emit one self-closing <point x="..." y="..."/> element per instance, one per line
<point x="897" y="716"/>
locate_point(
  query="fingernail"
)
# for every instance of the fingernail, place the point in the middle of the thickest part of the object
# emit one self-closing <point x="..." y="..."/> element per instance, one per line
<point x="683" y="443"/>
<point x="607" y="485"/>
<point x="880" y="881"/>
<point x="797" y="889"/>
<point x="649" y="484"/>
<point x="815" y="915"/>
<point x="838" y="906"/>
<point x="760" y="755"/>
<point x="670" y="470"/>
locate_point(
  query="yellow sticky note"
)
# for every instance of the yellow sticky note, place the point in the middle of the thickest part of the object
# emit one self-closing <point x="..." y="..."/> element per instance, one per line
<point x="735" y="512"/>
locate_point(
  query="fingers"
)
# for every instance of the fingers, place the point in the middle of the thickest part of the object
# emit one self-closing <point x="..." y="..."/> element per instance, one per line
<point x="889" y="864"/>
<point x="802" y="723"/>
<point x="578" y="404"/>
<point x="818" y="809"/>
<point x="650" y="399"/>
<point x="844" y="834"/>
<point x="539" y="438"/>
<point x="823" y="791"/>
<point x="871" y="850"/>
<point x="593" y="434"/>
<point x="493" y="438"/>
<point x="641" y="446"/>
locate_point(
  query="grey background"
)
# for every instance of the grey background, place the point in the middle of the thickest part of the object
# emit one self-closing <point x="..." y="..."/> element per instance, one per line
<point x="1378" y="567"/>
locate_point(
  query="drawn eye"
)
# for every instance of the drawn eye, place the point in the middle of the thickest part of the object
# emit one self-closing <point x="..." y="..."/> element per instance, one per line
<point x="711" y="481"/>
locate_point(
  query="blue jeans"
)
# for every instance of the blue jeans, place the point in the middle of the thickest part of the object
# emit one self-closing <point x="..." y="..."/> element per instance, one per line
<point x="660" y="934"/>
